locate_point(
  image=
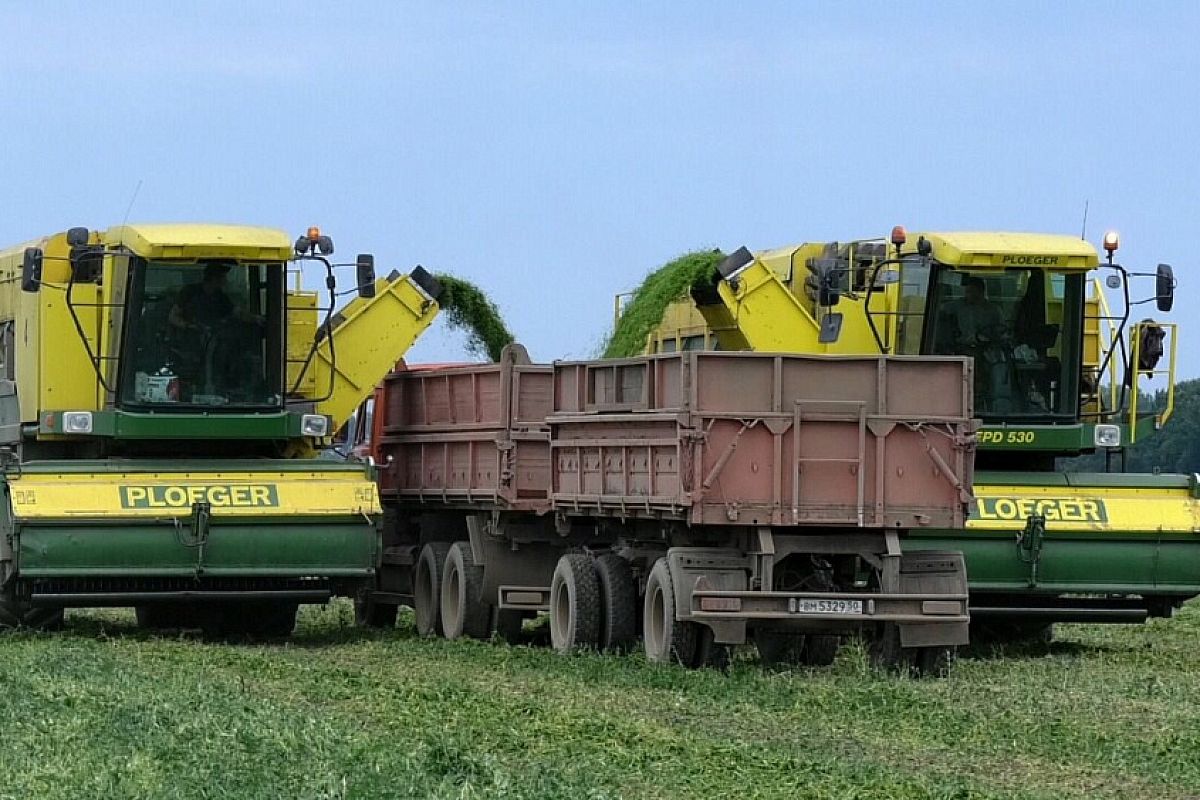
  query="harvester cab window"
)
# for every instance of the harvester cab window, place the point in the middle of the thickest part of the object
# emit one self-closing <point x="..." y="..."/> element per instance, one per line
<point x="203" y="333"/>
<point x="910" y="312"/>
<point x="1022" y="328"/>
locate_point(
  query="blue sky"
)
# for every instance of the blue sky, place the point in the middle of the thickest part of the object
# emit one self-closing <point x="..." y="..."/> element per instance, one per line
<point x="556" y="152"/>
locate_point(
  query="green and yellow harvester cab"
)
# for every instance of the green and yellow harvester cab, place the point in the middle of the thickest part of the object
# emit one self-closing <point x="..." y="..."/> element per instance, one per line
<point x="164" y="390"/>
<point x="1058" y="373"/>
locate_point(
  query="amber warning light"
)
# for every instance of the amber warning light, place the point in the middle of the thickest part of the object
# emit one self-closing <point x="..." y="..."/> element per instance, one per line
<point x="1111" y="242"/>
<point x="899" y="236"/>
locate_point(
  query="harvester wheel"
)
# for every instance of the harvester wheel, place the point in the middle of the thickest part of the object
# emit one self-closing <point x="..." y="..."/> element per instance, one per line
<point x="427" y="588"/>
<point x="574" y="603"/>
<point x="370" y="614"/>
<point x="618" y="603"/>
<point x="161" y="616"/>
<point x="1018" y="632"/>
<point x="277" y="620"/>
<point x="666" y="639"/>
<point x="464" y="613"/>
<point x="15" y="614"/>
<point x="266" y="619"/>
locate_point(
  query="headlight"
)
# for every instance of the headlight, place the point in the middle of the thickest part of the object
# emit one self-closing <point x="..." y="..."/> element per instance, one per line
<point x="1108" y="436"/>
<point x="77" y="421"/>
<point x="314" y="425"/>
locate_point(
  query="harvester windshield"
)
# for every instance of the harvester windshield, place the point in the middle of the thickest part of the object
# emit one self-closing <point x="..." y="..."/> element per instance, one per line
<point x="1023" y="327"/>
<point x="203" y="333"/>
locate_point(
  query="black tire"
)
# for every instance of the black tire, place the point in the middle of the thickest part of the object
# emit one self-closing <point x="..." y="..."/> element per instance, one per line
<point x="779" y="648"/>
<point x="885" y="652"/>
<point x="14" y="614"/>
<point x="932" y="662"/>
<point x="820" y="649"/>
<point x="666" y="639"/>
<point x="277" y="620"/>
<point x="427" y="588"/>
<point x="574" y="603"/>
<point x="510" y="625"/>
<point x="618" y="604"/>
<point x="371" y="614"/>
<point x="1015" y="632"/>
<point x="160" y="616"/>
<point x="464" y="613"/>
<point x="264" y="619"/>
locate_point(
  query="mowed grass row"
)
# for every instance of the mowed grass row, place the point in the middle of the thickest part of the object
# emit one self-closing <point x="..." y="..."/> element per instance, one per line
<point x="103" y="710"/>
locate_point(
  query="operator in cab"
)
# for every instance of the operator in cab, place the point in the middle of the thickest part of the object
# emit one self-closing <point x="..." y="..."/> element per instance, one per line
<point x="214" y="338"/>
<point x="204" y="304"/>
<point x="973" y="319"/>
<point x="975" y="326"/>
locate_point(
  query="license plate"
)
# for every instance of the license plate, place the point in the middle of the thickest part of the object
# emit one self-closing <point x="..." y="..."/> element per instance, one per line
<point x="811" y="605"/>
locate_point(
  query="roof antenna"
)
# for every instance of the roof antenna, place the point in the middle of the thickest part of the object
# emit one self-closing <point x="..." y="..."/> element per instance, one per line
<point x="1082" y="234"/>
<point x="129" y="208"/>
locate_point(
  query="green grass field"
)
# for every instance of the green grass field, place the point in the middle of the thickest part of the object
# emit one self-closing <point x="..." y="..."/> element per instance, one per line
<point x="102" y="710"/>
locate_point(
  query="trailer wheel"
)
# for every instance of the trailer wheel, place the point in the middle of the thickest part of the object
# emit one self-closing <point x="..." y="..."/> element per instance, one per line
<point x="463" y="611"/>
<point x="885" y="652"/>
<point x="933" y="662"/>
<point x="821" y="649"/>
<point x="618" y="603"/>
<point x="510" y="625"/>
<point x="777" y="648"/>
<point x="574" y="603"/>
<point x="667" y="639"/>
<point x="427" y="588"/>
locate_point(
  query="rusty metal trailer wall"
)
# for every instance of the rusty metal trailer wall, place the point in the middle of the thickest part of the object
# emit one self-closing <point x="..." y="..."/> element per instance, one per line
<point x="706" y="438"/>
<point x="763" y="439"/>
<point x="467" y="436"/>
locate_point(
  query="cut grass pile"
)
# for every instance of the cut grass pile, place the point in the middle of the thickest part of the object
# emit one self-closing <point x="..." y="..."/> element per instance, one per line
<point x="103" y="710"/>
<point x="657" y="291"/>
<point x="468" y="309"/>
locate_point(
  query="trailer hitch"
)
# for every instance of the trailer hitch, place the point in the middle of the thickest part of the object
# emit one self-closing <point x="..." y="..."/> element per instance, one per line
<point x="197" y="533"/>
<point x="1029" y="544"/>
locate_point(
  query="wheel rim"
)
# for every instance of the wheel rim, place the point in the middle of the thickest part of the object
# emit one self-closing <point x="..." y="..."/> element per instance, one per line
<point x="451" y="610"/>
<point x="424" y="600"/>
<point x="656" y="623"/>
<point x="560" y="615"/>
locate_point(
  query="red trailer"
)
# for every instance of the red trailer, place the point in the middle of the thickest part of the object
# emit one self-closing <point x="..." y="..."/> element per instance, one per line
<point x="696" y="498"/>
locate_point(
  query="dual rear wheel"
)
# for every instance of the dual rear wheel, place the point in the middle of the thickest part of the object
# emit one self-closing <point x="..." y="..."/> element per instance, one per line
<point x="593" y="603"/>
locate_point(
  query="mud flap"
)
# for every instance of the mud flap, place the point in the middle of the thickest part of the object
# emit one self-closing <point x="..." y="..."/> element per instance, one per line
<point x="717" y="569"/>
<point x="934" y="572"/>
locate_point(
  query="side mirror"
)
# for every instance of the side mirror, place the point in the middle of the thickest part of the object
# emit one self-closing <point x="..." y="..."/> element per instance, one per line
<point x="1165" y="287"/>
<point x="78" y="237"/>
<point x="365" y="267"/>
<point x="31" y="269"/>
<point x="821" y="285"/>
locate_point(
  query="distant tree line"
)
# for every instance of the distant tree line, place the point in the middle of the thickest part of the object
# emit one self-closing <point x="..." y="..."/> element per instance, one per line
<point x="1175" y="448"/>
